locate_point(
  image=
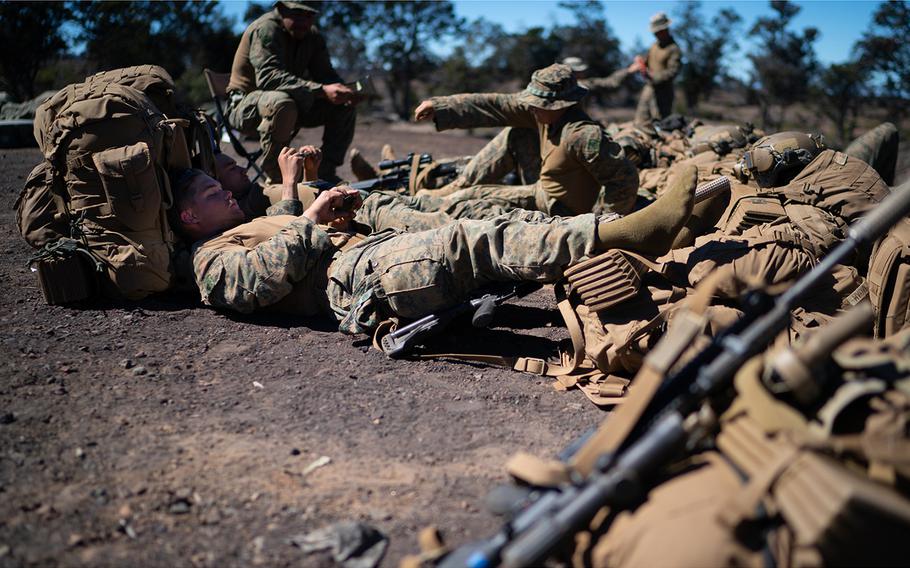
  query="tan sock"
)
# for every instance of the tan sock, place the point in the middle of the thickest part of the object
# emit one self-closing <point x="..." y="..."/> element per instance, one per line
<point x="651" y="231"/>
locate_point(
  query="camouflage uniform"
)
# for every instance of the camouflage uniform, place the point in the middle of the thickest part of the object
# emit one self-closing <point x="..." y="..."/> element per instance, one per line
<point x="518" y="149"/>
<point x="578" y="158"/>
<point x="512" y="150"/>
<point x="383" y="210"/>
<point x="878" y="148"/>
<point x="276" y="88"/>
<point x="287" y="263"/>
<point x="656" y="100"/>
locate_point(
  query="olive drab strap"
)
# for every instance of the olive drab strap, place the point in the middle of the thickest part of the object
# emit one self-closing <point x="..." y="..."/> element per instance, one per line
<point x="413" y="174"/>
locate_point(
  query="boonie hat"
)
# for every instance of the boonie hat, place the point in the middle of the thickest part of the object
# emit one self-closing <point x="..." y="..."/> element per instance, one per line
<point x="295" y="6"/>
<point x="577" y="64"/>
<point x="659" y="21"/>
<point x="553" y="88"/>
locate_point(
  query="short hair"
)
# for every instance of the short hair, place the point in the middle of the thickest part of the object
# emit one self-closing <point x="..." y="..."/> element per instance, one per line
<point x="183" y="192"/>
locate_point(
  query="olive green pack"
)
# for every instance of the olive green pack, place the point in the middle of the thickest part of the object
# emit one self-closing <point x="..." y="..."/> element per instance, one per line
<point x="108" y="144"/>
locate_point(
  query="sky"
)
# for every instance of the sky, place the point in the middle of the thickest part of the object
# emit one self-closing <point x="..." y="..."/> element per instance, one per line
<point x="841" y="23"/>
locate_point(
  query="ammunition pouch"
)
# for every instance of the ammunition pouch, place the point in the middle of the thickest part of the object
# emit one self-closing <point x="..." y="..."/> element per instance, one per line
<point x="832" y="514"/>
<point x="67" y="271"/>
<point x="751" y="211"/>
<point x="607" y="279"/>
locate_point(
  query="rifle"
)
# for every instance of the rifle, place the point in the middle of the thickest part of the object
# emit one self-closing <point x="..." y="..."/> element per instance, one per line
<point x="394" y="175"/>
<point x="670" y="422"/>
<point x="398" y="343"/>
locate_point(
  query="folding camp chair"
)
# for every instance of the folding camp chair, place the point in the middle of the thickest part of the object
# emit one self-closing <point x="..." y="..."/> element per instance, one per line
<point x="218" y="83"/>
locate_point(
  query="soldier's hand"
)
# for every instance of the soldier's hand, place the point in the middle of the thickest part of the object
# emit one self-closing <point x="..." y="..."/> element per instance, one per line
<point x="312" y="157"/>
<point x="291" y="164"/>
<point x="424" y="111"/>
<point x="338" y="93"/>
<point x="335" y="206"/>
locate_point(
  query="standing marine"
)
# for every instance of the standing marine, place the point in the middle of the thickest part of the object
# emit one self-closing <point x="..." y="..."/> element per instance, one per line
<point x="659" y="68"/>
<point x="282" y="79"/>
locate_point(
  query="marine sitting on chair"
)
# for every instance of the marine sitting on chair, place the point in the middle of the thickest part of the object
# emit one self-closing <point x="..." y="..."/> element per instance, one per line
<point x="282" y="80"/>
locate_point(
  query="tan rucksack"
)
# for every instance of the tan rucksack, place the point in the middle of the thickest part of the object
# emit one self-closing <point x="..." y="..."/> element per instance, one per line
<point x="108" y="146"/>
<point x="889" y="280"/>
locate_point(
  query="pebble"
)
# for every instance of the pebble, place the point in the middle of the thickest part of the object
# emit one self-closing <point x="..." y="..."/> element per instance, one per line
<point x="127" y="363"/>
<point x="140" y="370"/>
<point x="7" y="418"/>
<point x="295" y="452"/>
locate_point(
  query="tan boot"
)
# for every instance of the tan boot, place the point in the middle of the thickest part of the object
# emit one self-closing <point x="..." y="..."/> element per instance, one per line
<point x="361" y="168"/>
<point x="387" y="153"/>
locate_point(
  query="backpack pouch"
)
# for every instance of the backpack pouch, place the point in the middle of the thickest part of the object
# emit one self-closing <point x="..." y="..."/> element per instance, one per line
<point x="131" y="185"/>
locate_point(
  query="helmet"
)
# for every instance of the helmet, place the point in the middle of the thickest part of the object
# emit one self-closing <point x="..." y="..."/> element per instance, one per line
<point x="637" y="150"/>
<point x="776" y="159"/>
<point x="722" y="139"/>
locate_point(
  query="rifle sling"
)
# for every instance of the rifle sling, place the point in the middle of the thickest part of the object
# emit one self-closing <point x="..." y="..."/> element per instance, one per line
<point x="614" y="430"/>
<point x="566" y="365"/>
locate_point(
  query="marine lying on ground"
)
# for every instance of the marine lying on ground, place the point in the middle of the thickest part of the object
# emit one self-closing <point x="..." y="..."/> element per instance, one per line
<point x="628" y="286"/>
<point x="681" y="411"/>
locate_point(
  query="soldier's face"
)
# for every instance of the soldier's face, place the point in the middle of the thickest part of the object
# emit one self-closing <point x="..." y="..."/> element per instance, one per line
<point x="298" y="23"/>
<point x="212" y="208"/>
<point x="232" y="177"/>
<point x="547" y="116"/>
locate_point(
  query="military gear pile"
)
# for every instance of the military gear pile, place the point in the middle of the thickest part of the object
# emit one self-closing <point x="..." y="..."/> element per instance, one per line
<point x="108" y="143"/>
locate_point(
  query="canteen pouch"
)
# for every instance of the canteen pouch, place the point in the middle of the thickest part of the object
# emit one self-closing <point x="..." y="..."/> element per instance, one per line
<point x="65" y="272"/>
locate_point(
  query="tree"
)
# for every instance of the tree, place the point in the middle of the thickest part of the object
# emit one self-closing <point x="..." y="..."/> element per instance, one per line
<point x="704" y="49"/>
<point x="179" y="36"/>
<point x="885" y="50"/>
<point x="398" y="37"/>
<point x="32" y="38"/>
<point x="518" y="55"/>
<point x="590" y="38"/>
<point x="784" y="64"/>
<point x="839" y="94"/>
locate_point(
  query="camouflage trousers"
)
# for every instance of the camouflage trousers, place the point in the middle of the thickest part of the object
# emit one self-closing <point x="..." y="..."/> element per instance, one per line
<point x="878" y="148"/>
<point x="512" y="150"/>
<point x="389" y="210"/>
<point x="487" y="201"/>
<point x="411" y="275"/>
<point x="276" y="117"/>
<point x="654" y="103"/>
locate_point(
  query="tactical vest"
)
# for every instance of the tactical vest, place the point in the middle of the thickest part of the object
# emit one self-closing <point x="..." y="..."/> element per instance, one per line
<point x="827" y="195"/>
<point x="103" y="187"/>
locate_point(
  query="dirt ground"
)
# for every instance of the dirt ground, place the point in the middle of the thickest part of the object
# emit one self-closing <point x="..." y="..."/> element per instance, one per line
<point x="162" y="433"/>
<point x="166" y="434"/>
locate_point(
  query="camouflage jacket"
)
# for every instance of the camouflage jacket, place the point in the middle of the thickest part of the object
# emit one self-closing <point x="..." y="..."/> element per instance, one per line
<point x="270" y="59"/>
<point x="278" y="262"/>
<point x="578" y="159"/>
<point x="611" y="82"/>
<point x="664" y="62"/>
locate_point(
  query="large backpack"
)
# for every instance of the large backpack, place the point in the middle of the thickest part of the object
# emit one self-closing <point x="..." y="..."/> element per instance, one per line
<point x="889" y="280"/>
<point x="103" y="187"/>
